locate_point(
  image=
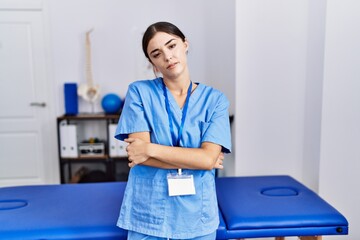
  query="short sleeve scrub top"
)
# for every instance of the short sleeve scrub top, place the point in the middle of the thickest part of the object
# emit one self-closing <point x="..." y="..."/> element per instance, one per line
<point x="147" y="207"/>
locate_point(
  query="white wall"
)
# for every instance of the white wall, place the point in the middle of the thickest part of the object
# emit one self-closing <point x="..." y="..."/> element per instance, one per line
<point x="272" y="42"/>
<point x="116" y="40"/>
<point x="220" y="47"/>
<point x="313" y="92"/>
<point x="340" y="133"/>
<point x="297" y="96"/>
<point x="220" y="60"/>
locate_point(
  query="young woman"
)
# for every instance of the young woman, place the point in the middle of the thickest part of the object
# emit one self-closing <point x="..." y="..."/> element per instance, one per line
<point x="177" y="132"/>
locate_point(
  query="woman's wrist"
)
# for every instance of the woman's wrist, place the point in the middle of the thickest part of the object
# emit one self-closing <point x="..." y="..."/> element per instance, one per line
<point x="150" y="150"/>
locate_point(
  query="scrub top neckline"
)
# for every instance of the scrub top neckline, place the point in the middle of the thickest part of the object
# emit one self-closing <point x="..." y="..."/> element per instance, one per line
<point x="172" y="101"/>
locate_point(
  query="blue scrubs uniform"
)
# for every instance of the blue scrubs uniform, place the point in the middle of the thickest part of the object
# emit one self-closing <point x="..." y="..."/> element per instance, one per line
<point x="147" y="208"/>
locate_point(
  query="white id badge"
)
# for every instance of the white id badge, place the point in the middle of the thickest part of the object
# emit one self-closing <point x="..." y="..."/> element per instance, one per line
<point x="180" y="184"/>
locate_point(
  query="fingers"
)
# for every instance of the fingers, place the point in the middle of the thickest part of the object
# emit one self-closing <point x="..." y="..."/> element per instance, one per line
<point x="219" y="163"/>
<point x="131" y="162"/>
<point x="221" y="166"/>
<point x="129" y="140"/>
<point x="128" y="150"/>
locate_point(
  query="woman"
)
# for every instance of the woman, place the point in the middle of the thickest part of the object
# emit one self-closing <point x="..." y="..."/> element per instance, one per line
<point x="177" y="132"/>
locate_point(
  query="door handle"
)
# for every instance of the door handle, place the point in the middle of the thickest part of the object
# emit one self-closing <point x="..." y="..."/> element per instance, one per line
<point x="38" y="104"/>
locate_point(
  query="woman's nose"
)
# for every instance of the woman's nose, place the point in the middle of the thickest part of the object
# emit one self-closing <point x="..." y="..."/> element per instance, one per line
<point x="167" y="55"/>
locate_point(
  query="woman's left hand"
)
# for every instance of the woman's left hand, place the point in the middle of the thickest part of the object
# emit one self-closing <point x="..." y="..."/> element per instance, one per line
<point x="136" y="151"/>
<point x="219" y="161"/>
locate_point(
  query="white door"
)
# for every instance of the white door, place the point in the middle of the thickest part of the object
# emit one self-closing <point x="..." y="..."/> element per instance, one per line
<point x="27" y="129"/>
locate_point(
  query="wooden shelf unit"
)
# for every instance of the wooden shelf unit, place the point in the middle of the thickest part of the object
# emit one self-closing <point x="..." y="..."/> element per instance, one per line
<point x="65" y="163"/>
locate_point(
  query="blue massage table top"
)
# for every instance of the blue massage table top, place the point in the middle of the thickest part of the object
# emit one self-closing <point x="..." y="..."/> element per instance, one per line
<point x="269" y="206"/>
<point x="68" y="211"/>
<point x="250" y="207"/>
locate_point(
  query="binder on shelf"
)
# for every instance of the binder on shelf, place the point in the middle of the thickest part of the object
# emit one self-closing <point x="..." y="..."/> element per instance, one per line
<point x="63" y="137"/>
<point x="117" y="148"/>
<point x="71" y="98"/>
<point x="68" y="141"/>
<point x="72" y="141"/>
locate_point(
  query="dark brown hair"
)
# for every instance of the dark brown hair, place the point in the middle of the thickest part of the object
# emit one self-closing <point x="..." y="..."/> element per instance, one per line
<point x="165" y="27"/>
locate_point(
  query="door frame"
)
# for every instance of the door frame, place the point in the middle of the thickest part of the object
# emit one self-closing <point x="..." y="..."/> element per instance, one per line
<point x="50" y="152"/>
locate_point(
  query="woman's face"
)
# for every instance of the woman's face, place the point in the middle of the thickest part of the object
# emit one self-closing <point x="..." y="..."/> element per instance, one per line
<point x="168" y="54"/>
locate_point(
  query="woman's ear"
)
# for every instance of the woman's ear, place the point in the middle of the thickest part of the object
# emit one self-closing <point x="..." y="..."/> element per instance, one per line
<point x="156" y="72"/>
<point x="153" y="66"/>
<point x="186" y="45"/>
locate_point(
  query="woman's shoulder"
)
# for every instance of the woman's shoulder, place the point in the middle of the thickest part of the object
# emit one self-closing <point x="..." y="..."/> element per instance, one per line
<point x="212" y="93"/>
<point x="144" y="88"/>
<point x="149" y="83"/>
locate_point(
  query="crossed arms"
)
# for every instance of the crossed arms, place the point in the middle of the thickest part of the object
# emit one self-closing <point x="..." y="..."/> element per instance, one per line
<point x="141" y="151"/>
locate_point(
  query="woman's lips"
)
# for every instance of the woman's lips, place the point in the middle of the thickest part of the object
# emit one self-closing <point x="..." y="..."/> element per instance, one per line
<point x="170" y="66"/>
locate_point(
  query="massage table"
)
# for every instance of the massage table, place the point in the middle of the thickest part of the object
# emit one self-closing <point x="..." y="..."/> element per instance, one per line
<point x="275" y="206"/>
<point x="249" y="207"/>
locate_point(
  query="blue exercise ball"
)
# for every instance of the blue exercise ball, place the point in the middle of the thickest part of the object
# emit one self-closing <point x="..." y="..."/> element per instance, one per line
<point x="111" y="103"/>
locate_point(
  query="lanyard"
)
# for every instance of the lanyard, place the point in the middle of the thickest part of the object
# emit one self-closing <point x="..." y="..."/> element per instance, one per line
<point x="176" y="142"/>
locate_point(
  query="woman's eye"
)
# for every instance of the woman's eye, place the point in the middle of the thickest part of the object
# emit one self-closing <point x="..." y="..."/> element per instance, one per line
<point x="156" y="55"/>
<point x="172" y="46"/>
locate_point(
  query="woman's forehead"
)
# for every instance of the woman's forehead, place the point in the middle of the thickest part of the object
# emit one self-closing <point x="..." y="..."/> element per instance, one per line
<point x="160" y="39"/>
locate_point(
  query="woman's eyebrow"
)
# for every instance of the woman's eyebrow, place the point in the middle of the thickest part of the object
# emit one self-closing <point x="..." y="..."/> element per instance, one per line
<point x="164" y="45"/>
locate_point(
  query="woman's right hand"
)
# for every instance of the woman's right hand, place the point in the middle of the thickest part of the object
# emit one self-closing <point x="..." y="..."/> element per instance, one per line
<point x="136" y="151"/>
